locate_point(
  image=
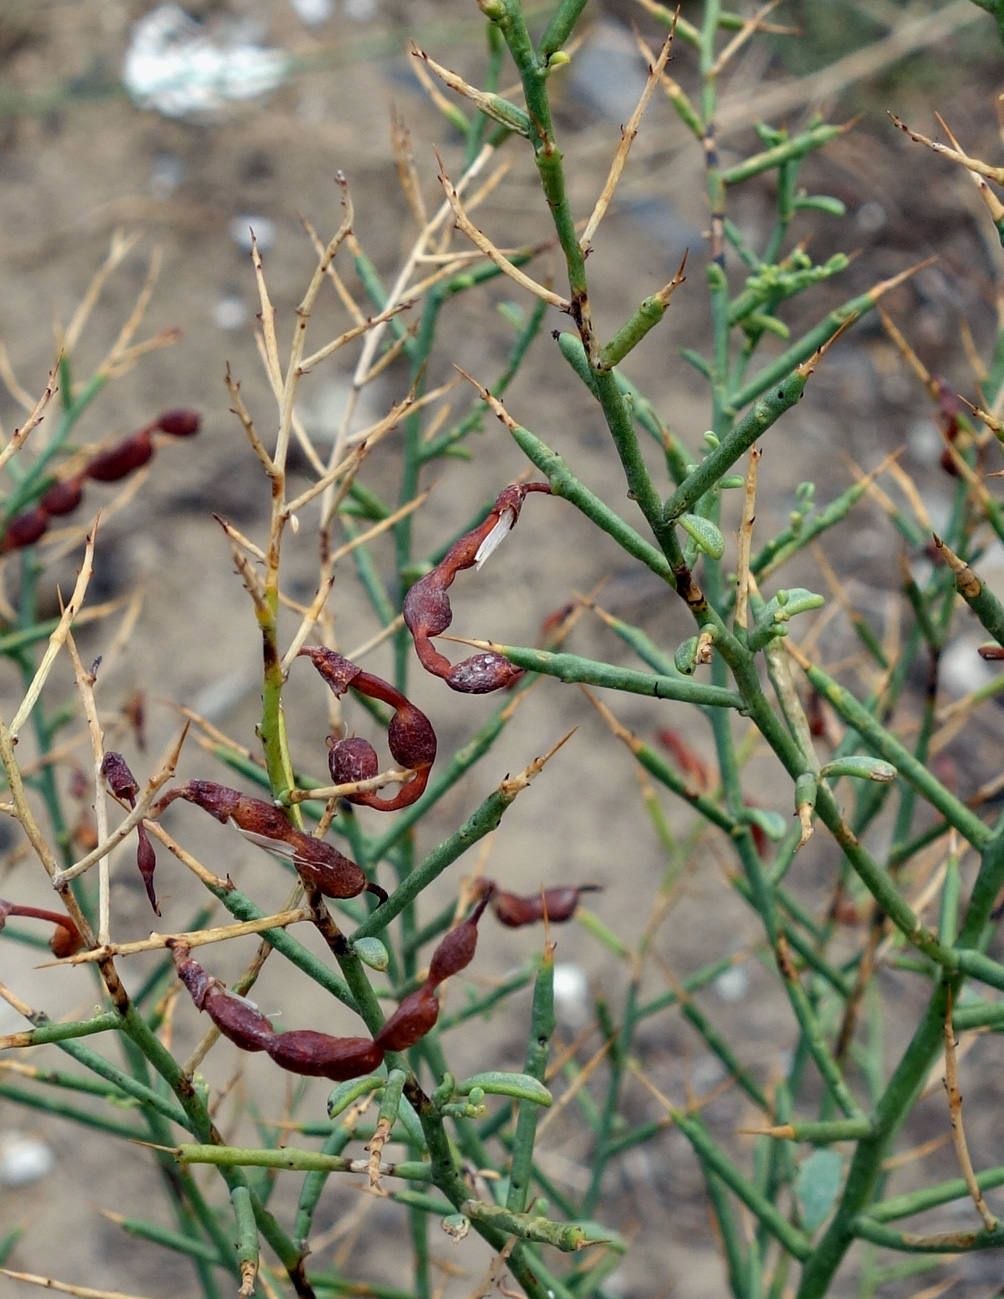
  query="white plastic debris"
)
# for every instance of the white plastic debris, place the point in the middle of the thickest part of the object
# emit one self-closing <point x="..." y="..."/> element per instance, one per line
<point x="174" y="65"/>
<point x="24" y="1159"/>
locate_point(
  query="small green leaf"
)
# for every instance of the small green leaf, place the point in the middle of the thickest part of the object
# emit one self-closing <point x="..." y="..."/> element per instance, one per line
<point x="860" y="767"/>
<point x="705" y="534"/>
<point x="685" y="658"/>
<point x="347" y="1092"/>
<point x="818" y="1185"/>
<point x="372" y="953"/>
<point x="520" y="1085"/>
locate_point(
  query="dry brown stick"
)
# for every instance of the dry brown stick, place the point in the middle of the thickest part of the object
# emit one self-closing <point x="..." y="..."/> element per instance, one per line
<point x="955" y="1111"/>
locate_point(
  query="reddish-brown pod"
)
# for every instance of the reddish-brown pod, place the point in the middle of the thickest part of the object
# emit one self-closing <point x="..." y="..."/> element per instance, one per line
<point x="457" y="949"/>
<point x="124" y="785"/>
<point x="24" y="530"/>
<point x="63" y="497"/>
<point x="426" y="607"/>
<point x="180" y="423"/>
<point x="318" y="1055"/>
<point x="559" y="904"/>
<point x="415" y="1016"/>
<point x="410" y="735"/>
<point x="122" y="459"/>
<point x="65" y="940"/>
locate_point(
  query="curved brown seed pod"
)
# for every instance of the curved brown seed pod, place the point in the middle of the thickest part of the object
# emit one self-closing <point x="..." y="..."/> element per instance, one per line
<point x="427" y="611"/>
<point x="318" y="863"/>
<point x="24" y="529"/>
<point x="457" y="949"/>
<point x="65" y="940"/>
<point x="122" y="459"/>
<point x="62" y="498"/>
<point x="513" y="911"/>
<point x="318" y="1055"/>
<point x="180" y="423"/>
<point x="411" y="1021"/>
<point x="410" y="735"/>
<point x="124" y="785"/>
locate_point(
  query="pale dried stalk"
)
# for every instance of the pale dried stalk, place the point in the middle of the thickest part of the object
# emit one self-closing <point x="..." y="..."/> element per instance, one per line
<point x="192" y="863"/>
<point x="267" y="317"/>
<point x="955" y="1110"/>
<point x="85" y="687"/>
<point x="300" y="328"/>
<point x="312" y="613"/>
<point x="378" y="639"/>
<point x="193" y="938"/>
<point x="127" y="358"/>
<point x="136" y="814"/>
<point x="422" y="241"/>
<point x="237" y="538"/>
<point x="995" y="174"/>
<point x="746" y="542"/>
<point x="748" y="28"/>
<point x="349" y="334"/>
<point x="392" y="777"/>
<point x="121" y="246"/>
<point x="628" y="134"/>
<point x="494" y="254"/>
<point x="57" y="639"/>
<point x="20" y="435"/>
<point x="244" y="415"/>
<point x="10" y="380"/>
<point x="118" y="349"/>
<point x="407" y="172"/>
<point x="347" y="300"/>
<point x="63" y="1287"/>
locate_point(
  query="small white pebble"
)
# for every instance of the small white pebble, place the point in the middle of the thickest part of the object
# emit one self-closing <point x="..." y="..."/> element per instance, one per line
<point x="240" y="229"/>
<point x="571" y="994"/>
<point x="732" y="984"/>
<point x="312" y="12"/>
<point x="24" y="1159"/>
<point x="870" y="217"/>
<point x="230" y="313"/>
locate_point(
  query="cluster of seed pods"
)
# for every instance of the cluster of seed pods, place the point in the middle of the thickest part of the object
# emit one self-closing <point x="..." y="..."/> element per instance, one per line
<point x="427" y="609"/>
<point x="410" y="736"/>
<point x="109" y="466"/>
<point x="65" y="938"/>
<point x="319" y="1055"/>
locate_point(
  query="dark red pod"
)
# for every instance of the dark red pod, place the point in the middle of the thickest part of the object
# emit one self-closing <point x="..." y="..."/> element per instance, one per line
<point x="65" y="940"/>
<point x="62" y="498"/>
<point x="121" y="781"/>
<point x="560" y="904"/>
<point x="426" y="607"/>
<point x="415" y="1016"/>
<point x="350" y="760"/>
<point x="456" y="950"/>
<point x="318" y="1055"/>
<point x="24" y="530"/>
<point x="146" y="861"/>
<point x="180" y="423"/>
<point x="121" y="460"/>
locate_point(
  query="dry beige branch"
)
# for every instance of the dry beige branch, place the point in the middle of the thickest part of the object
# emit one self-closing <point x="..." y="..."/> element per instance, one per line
<point x="628" y="134"/>
<point x="746" y="541"/>
<point x="494" y="254"/>
<point x="391" y="777"/>
<point x="20" y="435"/>
<point x="57" y="639"/>
<point x="193" y="938"/>
<point x="120" y="248"/>
<point x="955" y="1111"/>
<point x="161" y="776"/>
<point x="85" y="688"/>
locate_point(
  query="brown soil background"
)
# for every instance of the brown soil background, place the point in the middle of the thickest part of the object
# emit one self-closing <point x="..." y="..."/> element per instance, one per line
<point x="72" y="175"/>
